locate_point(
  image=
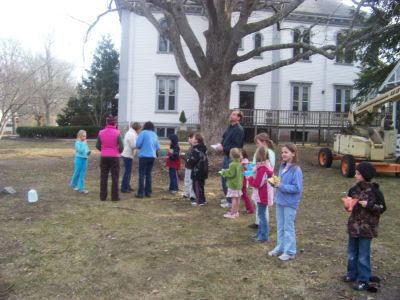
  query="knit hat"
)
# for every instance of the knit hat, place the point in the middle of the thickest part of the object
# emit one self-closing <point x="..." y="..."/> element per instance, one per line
<point x="111" y="120"/>
<point x="366" y="170"/>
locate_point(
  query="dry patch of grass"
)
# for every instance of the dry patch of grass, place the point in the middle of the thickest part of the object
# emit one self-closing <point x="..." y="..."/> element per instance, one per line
<point x="73" y="246"/>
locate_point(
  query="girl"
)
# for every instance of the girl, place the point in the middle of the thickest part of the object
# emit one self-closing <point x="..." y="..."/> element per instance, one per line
<point x="287" y="197"/>
<point x="234" y="181"/>
<point x="262" y="141"/>
<point x="260" y="193"/>
<point x="245" y="196"/>
<point x="81" y="160"/>
<point x="173" y="163"/>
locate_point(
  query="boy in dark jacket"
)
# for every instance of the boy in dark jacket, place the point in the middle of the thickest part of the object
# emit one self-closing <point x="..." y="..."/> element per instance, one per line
<point x="173" y="163"/>
<point x="362" y="226"/>
<point x="198" y="161"/>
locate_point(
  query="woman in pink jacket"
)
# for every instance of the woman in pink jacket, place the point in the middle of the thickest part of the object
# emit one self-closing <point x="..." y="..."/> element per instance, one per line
<point x="110" y="144"/>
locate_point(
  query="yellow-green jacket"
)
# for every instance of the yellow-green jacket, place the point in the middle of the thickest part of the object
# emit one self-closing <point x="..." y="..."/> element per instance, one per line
<point x="234" y="175"/>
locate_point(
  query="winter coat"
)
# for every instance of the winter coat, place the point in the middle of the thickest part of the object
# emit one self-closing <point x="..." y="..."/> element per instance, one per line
<point x="109" y="142"/>
<point x="198" y="162"/>
<point x="363" y="221"/>
<point x="173" y="161"/>
<point x="234" y="175"/>
<point x="233" y="137"/>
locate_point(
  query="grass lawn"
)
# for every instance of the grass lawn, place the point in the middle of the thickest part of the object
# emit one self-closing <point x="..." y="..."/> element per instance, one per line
<point x="73" y="246"/>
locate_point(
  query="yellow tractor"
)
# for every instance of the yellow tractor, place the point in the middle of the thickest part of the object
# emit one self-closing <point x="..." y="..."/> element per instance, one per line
<point x="361" y="141"/>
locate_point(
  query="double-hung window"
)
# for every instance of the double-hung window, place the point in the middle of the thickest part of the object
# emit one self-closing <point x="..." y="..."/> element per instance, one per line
<point x="301" y="96"/>
<point x="166" y="93"/>
<point x="164" y="44"/>
<point x="343" y="96"/>
<point x="298" y="37"/>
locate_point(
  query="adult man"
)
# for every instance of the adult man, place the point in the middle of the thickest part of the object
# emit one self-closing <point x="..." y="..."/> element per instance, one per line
<point x="233" y="137"/>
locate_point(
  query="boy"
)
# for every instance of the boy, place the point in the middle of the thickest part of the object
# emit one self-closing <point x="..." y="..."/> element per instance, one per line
<point x="198" y="161"/>
<point x="173" y="163"/>
<point x="362" y="226"/>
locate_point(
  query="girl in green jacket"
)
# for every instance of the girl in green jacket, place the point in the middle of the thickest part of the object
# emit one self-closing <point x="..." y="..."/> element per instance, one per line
<point x="234" y="181"/>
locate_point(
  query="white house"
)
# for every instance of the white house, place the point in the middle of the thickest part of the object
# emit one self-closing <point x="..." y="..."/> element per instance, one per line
<point x="151" y="87"/>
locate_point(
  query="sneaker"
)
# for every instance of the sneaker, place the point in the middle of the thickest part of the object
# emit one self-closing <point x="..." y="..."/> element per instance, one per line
<point x="75" y="188"/>
<point x="361" y="286"/>
<point x="253" y="226"/>
<point x="173" y="192"/>
<point x="202" y="204"/>
<point x="223" y="201"/>
<point x="236" y="214"/>
<point x="347" y="279"/>
<point x="226" y="205"/>
<point x="229" y="215"/>
<point x="84" y="192"/>
<point x="274" y="253"/>
<point x="286" y="257"/>
<point x="194" y="203"/>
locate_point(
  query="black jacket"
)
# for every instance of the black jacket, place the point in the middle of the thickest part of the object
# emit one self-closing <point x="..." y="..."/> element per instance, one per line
<point x="233" y="138"/>
<point x="198" y="162"/>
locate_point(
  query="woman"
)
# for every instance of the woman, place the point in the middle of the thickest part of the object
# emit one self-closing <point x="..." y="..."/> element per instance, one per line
<point x="148" y="145"/>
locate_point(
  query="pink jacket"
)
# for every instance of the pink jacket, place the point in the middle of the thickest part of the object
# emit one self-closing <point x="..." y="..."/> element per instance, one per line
<point x="259" y="182"/>
<point x="110" y="141"/>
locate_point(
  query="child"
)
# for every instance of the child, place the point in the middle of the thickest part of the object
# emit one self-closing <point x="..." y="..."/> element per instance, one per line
<point x="260" y="192"/>
<point x="198" y="162"/>
<point x="81" y="161"/>
<point x="189" y="192"/>
<point x="287" y="198"/>
<point x="245" y="196"/>
<point x="234" y="181"/>
<point x="173" y="163"/>
<point x="262" y="140"/>
<point x="362" y="226"/>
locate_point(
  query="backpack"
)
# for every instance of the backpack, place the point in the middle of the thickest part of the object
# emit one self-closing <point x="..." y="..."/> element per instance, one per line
<point x="200" y="169"/>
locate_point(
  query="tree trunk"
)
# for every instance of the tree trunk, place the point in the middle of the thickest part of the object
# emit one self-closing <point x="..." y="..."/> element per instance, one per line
<point x="214" y="98"/>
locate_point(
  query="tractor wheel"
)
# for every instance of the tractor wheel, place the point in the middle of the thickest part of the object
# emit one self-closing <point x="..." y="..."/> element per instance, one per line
<point x="325" y="157"/>
<point x="348" y="166"/>
<point x="397" y="162"/>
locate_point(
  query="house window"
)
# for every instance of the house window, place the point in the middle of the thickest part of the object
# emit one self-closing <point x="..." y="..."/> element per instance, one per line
<point x="165" y="131"/>
<point x="301" y="36"/>
<point x="257" y="42"/>
<point x="300" y="96"/>
<point x="342" y="98"/>
<point x="163" y="43"/>
<point x="345" y="55"/>
<point x="166" y="93"/>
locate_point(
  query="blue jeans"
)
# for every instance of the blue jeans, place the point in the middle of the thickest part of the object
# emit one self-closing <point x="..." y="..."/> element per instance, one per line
<point x="225" y="165"/>
<point x="263" y="226"/>
<point x="126" y="179"/>
<point x="285" y="232"/>
<point x="78" y="179"/>
<point x="358" y="263"/>
<point x="145" y="168"/>
<point x="173" y="179"/>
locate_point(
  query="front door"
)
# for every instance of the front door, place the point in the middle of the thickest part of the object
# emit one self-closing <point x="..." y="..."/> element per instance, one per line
<point x="246" y="105"/>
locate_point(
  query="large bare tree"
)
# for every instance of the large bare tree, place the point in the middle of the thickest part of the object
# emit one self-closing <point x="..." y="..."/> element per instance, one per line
<point x="54" y="76"/>
<point x="214" y="64"/>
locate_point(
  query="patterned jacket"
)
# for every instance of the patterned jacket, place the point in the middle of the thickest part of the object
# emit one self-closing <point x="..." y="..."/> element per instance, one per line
<point x="363" y="221"/>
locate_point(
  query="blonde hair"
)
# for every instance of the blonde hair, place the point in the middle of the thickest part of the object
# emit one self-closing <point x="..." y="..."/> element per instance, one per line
<point x="261" y="154"/>
<point x="81" y="133"/>
<point x="293" y="148"/>
<point x="235" y="153"/>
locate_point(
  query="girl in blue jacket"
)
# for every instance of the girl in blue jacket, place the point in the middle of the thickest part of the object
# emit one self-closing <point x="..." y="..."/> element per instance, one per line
<point x="287" y="197"/>
<point x="81" y="161"/>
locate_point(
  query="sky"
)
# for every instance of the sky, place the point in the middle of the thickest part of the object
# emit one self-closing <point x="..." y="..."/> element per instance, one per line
<point x="31" y="22"/>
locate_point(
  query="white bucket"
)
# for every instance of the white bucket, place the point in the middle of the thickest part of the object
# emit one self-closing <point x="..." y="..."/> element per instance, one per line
<point x="32" y="196"/>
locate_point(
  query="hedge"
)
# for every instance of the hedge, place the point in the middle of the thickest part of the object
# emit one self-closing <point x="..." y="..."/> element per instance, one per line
<point x="57" y="131"/>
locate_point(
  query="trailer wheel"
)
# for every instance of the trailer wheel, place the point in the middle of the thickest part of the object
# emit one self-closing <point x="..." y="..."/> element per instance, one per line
<point x="397" y="174"/>
<point x="325" y="157"/>
<point x="348" y="166"/>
